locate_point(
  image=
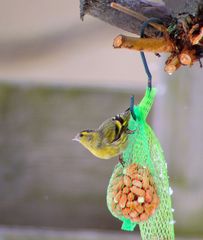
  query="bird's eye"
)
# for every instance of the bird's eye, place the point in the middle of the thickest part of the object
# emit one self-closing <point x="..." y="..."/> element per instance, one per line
<point x="81" y="135"/>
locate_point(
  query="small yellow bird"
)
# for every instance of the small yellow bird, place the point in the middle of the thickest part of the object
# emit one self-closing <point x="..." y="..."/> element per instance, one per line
<point x="110" y="139"/>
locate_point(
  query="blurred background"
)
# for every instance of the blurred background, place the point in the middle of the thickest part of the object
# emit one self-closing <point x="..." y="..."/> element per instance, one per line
<point x="59" y="75"/>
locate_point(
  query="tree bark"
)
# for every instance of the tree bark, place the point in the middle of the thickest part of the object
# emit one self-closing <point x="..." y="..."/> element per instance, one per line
<point x="164" y="11"/>
<point x="102" y="10"/>
<point x="178" y="6"/>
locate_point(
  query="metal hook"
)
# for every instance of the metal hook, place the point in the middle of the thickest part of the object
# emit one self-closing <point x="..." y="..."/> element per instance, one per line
<point x="132" y="101"/>
<point x="149" y="83"/>
<point x="144" y="25"/>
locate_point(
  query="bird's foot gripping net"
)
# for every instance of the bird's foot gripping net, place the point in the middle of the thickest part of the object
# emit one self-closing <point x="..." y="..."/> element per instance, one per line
<point x="139" y="192"/>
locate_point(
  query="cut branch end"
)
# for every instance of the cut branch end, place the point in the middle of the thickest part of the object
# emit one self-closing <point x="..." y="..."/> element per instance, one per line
<point x="172" y="64"/>
<point x="187" y="57"/>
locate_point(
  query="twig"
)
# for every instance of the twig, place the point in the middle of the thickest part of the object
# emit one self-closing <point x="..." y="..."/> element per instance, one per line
<point x="137" y="15"/>
<point x="196" y="38"/>
<point x="143" y="44"/>
<point x="187" y="57"/>
<point x="172" y="64"/>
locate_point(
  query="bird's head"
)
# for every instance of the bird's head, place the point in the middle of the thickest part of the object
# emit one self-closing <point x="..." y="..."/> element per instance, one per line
<point x="85" y="137"/>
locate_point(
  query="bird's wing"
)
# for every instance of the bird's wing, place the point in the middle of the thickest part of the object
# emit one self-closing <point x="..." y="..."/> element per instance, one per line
<point x="112" y="129"/>
<point x="108" y="131"/>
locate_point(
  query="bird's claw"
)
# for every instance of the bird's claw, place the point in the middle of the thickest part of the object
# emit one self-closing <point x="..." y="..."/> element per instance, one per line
<point x="128" y="131"/>
<point x="120" y="159"/>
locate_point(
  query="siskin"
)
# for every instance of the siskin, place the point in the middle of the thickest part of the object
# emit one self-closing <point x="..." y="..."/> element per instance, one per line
<point x="110" y="139"/>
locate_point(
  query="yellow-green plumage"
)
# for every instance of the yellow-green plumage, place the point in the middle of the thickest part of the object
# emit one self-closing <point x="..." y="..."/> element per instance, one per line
<point x="110" y="139"/>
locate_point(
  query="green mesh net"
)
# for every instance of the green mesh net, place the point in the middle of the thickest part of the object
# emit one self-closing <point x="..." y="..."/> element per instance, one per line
<point x="145" y="156"/>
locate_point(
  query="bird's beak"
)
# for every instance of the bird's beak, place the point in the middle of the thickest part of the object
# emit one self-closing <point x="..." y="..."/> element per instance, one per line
<point x="76" y="138"/>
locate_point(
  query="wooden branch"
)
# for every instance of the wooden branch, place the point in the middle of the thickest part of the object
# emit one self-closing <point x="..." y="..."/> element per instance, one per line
<point x="172" y="64"/>
<point x="187" y="57"/>
<point x="137" y="15"/>
<point x="129" y="11"/>
<point x="177" y="6"/>
<point x="155" y="45"/>
<point x="130" y="16"/>
<point x="102" y="9"/>
<point x="196" y="38"/>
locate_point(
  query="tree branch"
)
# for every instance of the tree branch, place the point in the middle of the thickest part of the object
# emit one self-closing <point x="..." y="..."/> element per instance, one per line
<point x="164" y="11"/>
<point x="102" y="9"/>
<point x="178" y="6"/>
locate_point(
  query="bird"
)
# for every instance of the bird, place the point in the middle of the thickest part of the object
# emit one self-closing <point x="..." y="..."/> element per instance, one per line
<point x="110" y="139"/>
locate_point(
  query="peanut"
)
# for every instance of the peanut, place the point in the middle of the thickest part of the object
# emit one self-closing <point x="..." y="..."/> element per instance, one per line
<point x="148" y="196"/>
<point x="131" y="196"/>
<point x="117" y="197"/>
<point x="123" y="200"/>
<point x="133" y="214"/>
<point x="145" y="181"/>
<point x="138" y="191"/>
<point x="126" y="190"/>
<point x="127" y="181"/>
<point x="139" y="208"/>
<point x="137" y="183"/>
<point x="126" y="212"/>
<point x="149" y="209"/>
<point x="135" y="219"/>
<point x="144" y="217"/>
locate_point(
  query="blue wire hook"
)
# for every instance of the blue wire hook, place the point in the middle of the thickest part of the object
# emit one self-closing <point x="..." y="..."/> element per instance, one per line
<point x="132" y="101"/>
<point x="144" y="25"/>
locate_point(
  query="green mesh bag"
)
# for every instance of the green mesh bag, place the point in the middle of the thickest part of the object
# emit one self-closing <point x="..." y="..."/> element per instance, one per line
<point x="144" y="158"/>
